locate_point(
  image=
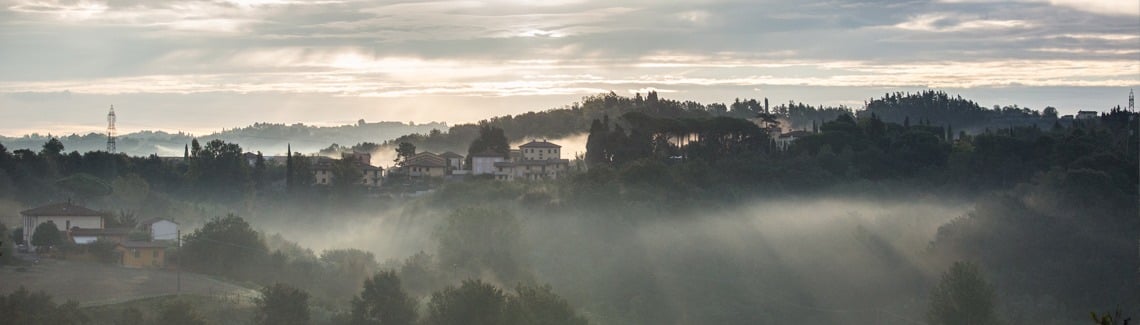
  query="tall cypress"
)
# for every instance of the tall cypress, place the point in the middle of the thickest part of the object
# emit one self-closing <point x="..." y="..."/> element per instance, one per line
<point x="289" y="167"/>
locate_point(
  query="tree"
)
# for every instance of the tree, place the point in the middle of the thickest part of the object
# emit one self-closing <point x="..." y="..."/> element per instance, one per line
<point x="346" y="175"/>
<point x="25" y="307"/>
<point x="473" y="303"/>
<point x="477" y="239"/>
<point x="47" y="235"/>
<point x="281" y="304"/>
<point x="53" y="148"/>
<point x="223" y="246"/>
<point x="404" y="151"/>
<point x="1049" y="112"/>
<point x="962" y="297"/>
<point x="179" y="312"/>
<point x="383" y="302"/>
<point x="491" y="138"/>
<point x="539" y="305"/>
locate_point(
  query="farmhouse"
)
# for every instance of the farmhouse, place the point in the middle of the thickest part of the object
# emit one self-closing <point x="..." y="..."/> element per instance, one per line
<point x="66" y="216"/>
<point x="142" y="254"/>
<point x="370" y="176"/>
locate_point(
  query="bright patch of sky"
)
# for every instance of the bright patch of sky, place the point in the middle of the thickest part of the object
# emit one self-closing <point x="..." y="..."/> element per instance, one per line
<point x="205" y="65"/>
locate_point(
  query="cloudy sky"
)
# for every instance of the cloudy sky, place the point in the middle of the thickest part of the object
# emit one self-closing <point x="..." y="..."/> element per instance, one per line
<point x="201" y="66"/>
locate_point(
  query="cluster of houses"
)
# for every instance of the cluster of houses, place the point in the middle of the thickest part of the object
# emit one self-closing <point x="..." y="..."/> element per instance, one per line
<point x="535" y="160"/>
<point x="83" y="226"/>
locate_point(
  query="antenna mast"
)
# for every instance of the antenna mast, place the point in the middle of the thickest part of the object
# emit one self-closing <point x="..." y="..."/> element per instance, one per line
<point x="111" y="130"/>
<point x="1131" y="101"/>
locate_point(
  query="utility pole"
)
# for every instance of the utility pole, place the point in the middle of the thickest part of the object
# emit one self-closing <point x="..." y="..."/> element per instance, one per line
<point x="179" y="290"/>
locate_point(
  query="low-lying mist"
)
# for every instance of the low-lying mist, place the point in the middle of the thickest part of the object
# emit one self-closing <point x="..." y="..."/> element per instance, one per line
<point x="832" y="260"/>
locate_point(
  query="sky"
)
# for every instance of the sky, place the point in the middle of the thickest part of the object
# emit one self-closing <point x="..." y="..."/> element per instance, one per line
<point x="201" y="66"/>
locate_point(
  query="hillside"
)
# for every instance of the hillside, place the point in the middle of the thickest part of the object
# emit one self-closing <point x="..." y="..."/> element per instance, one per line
<point x="95" y="284"/>
<point x="266" y="137"/>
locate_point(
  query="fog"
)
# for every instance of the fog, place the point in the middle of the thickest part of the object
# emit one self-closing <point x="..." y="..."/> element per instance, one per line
<point x="829" y="259"/>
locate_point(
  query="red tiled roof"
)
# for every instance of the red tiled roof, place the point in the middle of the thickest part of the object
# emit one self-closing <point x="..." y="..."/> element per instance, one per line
<point x="65" y="209"/>
<point x="540" y="144"/>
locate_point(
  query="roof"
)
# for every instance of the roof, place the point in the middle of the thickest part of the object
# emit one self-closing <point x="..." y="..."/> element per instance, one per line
<point x="450" y="154"/>
<point x="155" y="220"/>
<point x="426" y="159"/>
<point x="1086" y="112"/>
<point x="143" y="244"/>
<point x="65" y="209"/>
<point x="533" y="162"/>
<point x="540" y="144"/>
<point x="82" y="232"/>
<point x="488" y="153"/>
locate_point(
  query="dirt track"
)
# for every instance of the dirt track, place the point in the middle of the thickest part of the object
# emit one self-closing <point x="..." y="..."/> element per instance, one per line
<point x="93" y="284"/>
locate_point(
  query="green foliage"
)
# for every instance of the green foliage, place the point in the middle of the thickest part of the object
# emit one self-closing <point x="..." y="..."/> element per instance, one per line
<point x="404" y="151"/>
<point x="178" y="312"/>
<point x="224" y="246"/>
<point x="474" y="302"/>
<point x="383" y="302"/>
<point x="25" y="307"/>
<point x="475" y="240"/>
<point x="532" y="305"/>
<point x="346" y="175"/>
<point x="281" y="304"/>
<point x="84" y="185"/>
<point x="962" y="298"/>
<point x="47" y="235"/>
<point x="104" y="250"/>
<point x="491" y="139"/>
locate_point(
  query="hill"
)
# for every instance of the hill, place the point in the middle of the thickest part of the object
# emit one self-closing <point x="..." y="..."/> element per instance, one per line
<point x="269" y="138"/>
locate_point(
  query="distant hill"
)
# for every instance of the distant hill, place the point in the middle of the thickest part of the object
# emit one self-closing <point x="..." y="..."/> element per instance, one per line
<point x="266" y="137"/>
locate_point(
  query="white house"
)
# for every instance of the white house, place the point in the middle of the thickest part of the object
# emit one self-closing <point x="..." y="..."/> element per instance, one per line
<point x="483" y="163"/>
<point x="533" y="161"/>
<point x="160" y="228"/>
<point x="65" y="216"/>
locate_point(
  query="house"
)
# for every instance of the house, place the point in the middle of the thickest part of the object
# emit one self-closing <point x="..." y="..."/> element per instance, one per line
<point x="454" y="160"/>
<point x="785" y="140"/>
<point x="483" y="163"/>
<point x="426" y="164"/>
<point x="142" y="254"/>
<point x="65" y="216"/>
<point x="370" y="176"/>
<point x="85" y="236"/>
<point x="160" y="229"/>
<point x="540" y="150"/>
<point x="1087" y="115"/>
<point x="534" y="160"/>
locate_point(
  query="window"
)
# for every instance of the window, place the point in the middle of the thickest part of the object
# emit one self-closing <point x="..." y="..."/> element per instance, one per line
<point x="135" y="251"/>
<point x="154" y="254"/>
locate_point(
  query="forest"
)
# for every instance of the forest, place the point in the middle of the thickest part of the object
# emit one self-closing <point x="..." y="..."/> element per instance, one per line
<point x="920" y="208"/>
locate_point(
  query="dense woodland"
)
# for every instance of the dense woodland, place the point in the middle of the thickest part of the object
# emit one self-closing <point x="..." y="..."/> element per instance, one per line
<point x="1049" y="236"/>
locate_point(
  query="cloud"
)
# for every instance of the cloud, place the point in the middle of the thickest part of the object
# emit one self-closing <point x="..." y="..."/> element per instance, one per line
<point x="532" y="51"/>
<point x="947" y="22"/>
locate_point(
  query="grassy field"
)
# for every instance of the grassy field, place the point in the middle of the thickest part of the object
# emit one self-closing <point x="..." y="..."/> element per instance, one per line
<point x="212" y="309"/>
<point x="95" y="284"/>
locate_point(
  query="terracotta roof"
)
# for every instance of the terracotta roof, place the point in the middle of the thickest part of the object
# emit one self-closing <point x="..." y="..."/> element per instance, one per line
<point x="450" y="154"/>
<point x="534" y="162"/>
<point x="426" y="159"/>
<point x="143" y="244"/>
<point x="65" y="209"/>
<point x="540" y="144"/>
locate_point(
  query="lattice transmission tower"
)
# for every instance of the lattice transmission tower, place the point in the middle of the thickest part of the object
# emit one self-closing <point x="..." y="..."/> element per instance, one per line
<point x="111" y="130"/>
